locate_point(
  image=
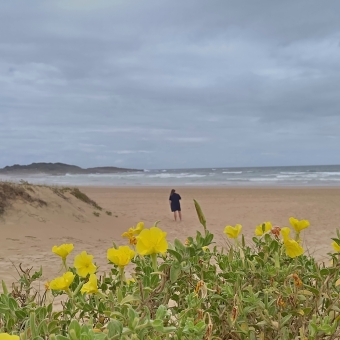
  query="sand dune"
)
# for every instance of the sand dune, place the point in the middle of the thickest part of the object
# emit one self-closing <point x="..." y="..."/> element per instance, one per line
<point x="29" y="230"/>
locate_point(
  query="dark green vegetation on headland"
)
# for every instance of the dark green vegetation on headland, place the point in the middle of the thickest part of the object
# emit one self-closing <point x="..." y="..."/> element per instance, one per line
<point x="59" y="169"/>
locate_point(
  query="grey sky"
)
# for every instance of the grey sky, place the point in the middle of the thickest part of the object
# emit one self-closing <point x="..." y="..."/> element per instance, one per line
<point x="166" y="83"/>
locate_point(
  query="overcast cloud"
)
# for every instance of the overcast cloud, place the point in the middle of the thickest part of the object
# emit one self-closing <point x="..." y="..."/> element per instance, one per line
<point x="170" y="84"/>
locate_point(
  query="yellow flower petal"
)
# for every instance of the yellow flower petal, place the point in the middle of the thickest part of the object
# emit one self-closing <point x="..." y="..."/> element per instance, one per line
<point x="259" y="229"/>
<point x="233" y="232"/>
<point x="139" y="228"/>
<point x="128" y="234"/>
<point x="91" y="287"/>
<point x="63" y="250"/>
<point x="130" y="281"/>
<point x="336" y="247"/>
<point x="63" y="282"/>
<point x="285" y="233"/>
<point x="298" y="225"/>
<point x="6" y="336"/>
<point x="151" y="241"/>
<point x="84" y="265"/>
<point x="293" y="249"/>
<point x="121" y="256"/>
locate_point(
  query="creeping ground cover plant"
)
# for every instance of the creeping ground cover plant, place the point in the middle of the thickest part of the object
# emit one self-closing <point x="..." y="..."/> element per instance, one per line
<point x="269" y="289"/>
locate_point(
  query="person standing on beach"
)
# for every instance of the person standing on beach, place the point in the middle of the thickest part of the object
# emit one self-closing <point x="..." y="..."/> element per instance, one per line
<point x="175" y="204"/>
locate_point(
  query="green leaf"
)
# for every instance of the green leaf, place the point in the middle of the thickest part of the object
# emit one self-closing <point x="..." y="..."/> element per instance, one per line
<point x="158" y="325"/>
<point x="51" y="326"/>
<point x="324" y="271"/>
<point x="114" y="327"/>
<point x="33" y="325"/>
<point x="3" y="308"/>
<point x="42" y="328"/>
<point x="36" y="275"/>
<point x="13" y="305"/>
<point x="61" y="337"/>
<point x="4" y="287"/>
<point x="176" y="254"/>
<point x="179" y="245"/>
<point x="75" y="326"/>
<point x="87" y="307"/>
<point x="50" y="308"/>
<point x="200" y="215"/>
<point x="111" y="314"/>
<point x="21" y="314"/>
<point x="169" y="329"/>
<point x="208" y="238"/>
<point x="10" y="324"/>
<point x="128" y="298"/>
<point x="161" y="312"/>
<point x="175" y="270"/>
<point x="285" y="319"/>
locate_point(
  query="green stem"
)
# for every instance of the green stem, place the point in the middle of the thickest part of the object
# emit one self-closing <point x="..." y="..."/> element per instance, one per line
<point x="64" y="264"/>
<point x="69" y="293"/>
<point x="297" y="237"/>
<point x="122" y="275"/>
<point x="154" y="262"/>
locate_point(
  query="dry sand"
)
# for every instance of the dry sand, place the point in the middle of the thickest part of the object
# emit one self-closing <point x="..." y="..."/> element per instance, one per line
<point x="28" y="232"/>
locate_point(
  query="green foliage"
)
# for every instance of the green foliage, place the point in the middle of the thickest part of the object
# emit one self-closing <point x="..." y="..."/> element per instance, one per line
<point x="96" y="213"/>
<point x="198" y="292"/>
<point x="109" y="213"/>
<point x="82" y="197"/>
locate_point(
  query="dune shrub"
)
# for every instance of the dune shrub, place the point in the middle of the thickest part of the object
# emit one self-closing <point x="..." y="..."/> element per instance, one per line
<point x="192" y="290"/>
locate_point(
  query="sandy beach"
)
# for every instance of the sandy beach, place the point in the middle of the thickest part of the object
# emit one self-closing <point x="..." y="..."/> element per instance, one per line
<point x="28" y="233"/>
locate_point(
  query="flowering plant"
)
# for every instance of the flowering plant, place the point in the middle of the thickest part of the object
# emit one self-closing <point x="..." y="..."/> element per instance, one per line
<point x="193" y="290"/>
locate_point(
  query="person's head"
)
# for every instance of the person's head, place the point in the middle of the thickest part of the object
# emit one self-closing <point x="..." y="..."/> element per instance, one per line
<point x="172" y="191"/>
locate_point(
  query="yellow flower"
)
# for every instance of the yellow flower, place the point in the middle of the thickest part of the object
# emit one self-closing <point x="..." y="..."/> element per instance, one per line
<point x="62" y="282"/>
<point x="121" y="256"/>
<point x="91" y="286"/>
<point x="259" y="230"/>
<point x="63" y="251"/>
<point x="128" y="234"/>
<point x="6" y="336"/>
<point x="133" y="241"/>
<point x="151" y="241"/>
<point x="336" y="247"/>
<point x="47" y="285"/>
<point x="285" y="233"/>
<point x="84" y="265"/>
<point x="233" y="232"/>
<point x="134" y="231"/>
<point x="129" y="281"/>
<point x="293" y="248"/>
<point x="205" y="248"/>
<point x="298" y="225"/>
<point x="139" y="228"/>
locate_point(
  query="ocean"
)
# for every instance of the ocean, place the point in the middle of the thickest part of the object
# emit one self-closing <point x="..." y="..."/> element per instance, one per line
<point x="321" y="175"/>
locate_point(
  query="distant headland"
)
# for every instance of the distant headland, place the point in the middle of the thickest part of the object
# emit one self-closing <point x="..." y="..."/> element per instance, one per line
<point x="59" y="169"/>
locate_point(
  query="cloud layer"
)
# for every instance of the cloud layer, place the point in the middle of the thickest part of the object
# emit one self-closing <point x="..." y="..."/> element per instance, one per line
<point x="156" y="84"/>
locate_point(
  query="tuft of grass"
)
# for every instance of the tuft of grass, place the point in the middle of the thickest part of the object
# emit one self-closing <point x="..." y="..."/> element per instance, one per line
<point x="10" y="191"/>
<point x="82" y="197"/>
<point x="96" y="213"/>
<point x="109" y="213"/>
